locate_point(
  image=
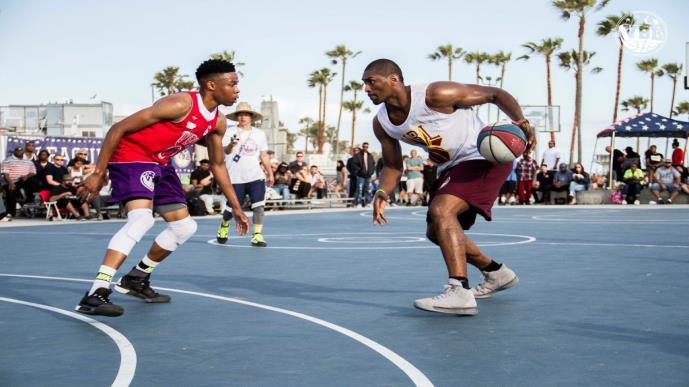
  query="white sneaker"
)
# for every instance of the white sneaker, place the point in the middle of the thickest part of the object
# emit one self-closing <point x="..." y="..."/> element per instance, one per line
<point x="651" y="202"/>
<point x="637" y="202"/>
<point x="453" y="300"/>
<point x="495" y="281"/>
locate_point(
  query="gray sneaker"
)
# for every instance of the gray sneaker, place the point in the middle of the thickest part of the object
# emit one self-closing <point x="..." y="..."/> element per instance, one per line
<point x="495" y="281"/>
<point x="453" y="300"/>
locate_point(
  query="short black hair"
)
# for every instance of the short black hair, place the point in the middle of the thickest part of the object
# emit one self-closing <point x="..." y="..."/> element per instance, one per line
<point x="212" y="67"/>
<point x="205" y="161"/>
<point x="385" y="67"/>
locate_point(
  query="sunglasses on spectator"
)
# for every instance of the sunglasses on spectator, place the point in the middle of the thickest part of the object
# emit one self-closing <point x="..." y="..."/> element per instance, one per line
<point x="58" y="159"/>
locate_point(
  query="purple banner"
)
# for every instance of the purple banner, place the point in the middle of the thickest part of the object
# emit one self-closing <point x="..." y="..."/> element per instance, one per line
<point x="70" y="146"/>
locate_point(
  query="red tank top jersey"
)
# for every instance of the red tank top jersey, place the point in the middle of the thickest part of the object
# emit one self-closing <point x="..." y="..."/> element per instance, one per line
<point x="162" y="140"/>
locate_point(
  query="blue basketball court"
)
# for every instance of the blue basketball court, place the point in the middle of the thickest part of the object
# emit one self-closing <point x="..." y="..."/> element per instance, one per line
<point x="602" y="301"/>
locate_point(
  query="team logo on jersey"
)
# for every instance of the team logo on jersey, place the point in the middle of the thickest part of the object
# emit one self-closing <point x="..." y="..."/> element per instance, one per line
<point x="146" y="180"/>
<point x="186" y="139"/>
<point x="191" y="125"/>
<point x="417" y="135"/>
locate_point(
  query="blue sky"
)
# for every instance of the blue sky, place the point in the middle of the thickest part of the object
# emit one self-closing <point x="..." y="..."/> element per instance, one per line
<point x="56" y="51"/>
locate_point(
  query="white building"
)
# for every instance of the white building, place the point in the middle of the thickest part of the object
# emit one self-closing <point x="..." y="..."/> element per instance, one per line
<point x="70" y="119"/>
<point x="277" y="139"/>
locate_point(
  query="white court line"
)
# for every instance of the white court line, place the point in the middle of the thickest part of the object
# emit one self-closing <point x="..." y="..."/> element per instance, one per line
<point x="374" y="239"/>
<point x="526" y="239"/>
<point x="609" y="244"/>
<point x="416" y="376"/>
<point x="125" y="374"/>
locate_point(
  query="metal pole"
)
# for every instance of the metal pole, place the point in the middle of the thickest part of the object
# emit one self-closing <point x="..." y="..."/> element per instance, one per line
<point x="593" y="156"/>
<point x="612" y="156"/>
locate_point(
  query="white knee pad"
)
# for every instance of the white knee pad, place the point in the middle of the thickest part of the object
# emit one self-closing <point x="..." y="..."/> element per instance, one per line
<point x="139" y="221"/>
<point x="176" y="233"/>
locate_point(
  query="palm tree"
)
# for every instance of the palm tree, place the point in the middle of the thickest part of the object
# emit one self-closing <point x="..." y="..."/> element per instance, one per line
<point x="308" y="131"/>
<point x="673" y="71"/>
<point x="605" y="27"/>
<point x="168" y="80"/>
<point x="447" y="52"/>
<point x="290" y="138"/>
<point x="354" y="105"/>
<point x="184" y="85"/>
<point x="636" y="102"/>
<point x="650" y="66"/>
<point x="569" y="61"/>
<point x="341" y="54"/>
<point x="682" y="108"/>
<point x="321" y="78"/>
<point x="501" y="59"/>
<point x="580" y="8"/>
<point x="547" y="48"/>
<point x="478" y="58"/>
<point x="230" y="56"/>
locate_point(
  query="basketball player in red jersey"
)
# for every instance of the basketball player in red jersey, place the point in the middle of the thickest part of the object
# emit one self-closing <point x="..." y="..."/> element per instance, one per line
<point x="438" y="117"/>
<point x="136" y="152"/>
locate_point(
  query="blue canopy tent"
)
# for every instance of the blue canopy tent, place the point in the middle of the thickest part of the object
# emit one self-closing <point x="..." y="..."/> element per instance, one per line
<point x="646" y="125"/>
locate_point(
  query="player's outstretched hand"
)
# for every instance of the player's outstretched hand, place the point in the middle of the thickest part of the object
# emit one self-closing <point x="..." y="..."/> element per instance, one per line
<point x="380" y="200"/>
<point x="91" y="187"/>
<point x="529" y="132"/>
<point x="241" y="221"/>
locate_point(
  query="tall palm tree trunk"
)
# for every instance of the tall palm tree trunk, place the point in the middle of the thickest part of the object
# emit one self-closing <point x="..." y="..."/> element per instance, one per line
<point x="449" y="67"/>
<point x="351" y="145"/>
<point x="674" y="86"/>
<point x="653" y="81"/>
<point x="549" y="82"/>
<point x="321" y="127"/>
<point x="502" y="80"/>
<point x="579" y="75"/>
<point x="339" y="115"/>
<point x="619" y="82"/>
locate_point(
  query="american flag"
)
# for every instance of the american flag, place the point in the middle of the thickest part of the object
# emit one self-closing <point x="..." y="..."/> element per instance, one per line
<point x="648" y="125"/>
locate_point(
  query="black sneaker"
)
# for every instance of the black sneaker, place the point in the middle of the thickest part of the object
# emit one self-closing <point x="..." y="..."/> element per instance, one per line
<point x="140" y="287"/>
<point x="99" y="303"/>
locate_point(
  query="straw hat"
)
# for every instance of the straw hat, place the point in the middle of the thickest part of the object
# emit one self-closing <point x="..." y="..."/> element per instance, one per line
<point x="244" y="107"/>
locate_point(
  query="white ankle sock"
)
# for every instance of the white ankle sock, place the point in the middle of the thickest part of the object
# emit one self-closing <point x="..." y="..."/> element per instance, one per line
<point x="103" y="278"/>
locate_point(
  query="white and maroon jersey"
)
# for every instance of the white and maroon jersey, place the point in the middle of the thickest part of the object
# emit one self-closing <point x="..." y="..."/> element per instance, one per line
<point x="449" y="139"/>
<point x="162" y="140"/>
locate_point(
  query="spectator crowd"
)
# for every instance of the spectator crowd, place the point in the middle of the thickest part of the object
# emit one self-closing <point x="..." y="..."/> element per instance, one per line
<point x="28" y="180"/>
<point x="554" y="182"/>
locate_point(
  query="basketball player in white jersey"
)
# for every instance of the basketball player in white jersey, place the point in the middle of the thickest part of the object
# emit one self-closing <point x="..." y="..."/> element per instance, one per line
<point x="438" y="118"/>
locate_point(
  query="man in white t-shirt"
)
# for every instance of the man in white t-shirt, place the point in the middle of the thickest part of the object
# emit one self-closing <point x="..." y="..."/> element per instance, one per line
<point x="247" y="159"/>
<point x="551" y="156"/>
<point x="666" y="178"/>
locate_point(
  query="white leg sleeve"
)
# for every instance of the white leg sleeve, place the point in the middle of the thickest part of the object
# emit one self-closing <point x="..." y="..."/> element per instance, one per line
<point x="176" y="233"/>
<point x="139" y="221"/>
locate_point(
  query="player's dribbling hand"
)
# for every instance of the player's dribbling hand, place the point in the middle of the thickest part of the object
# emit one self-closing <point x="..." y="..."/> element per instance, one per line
<point x="529" y="131"/>
<point x="91" y="187"/>
<point x="241" y="222"/>
<point x="380" y="200"/>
